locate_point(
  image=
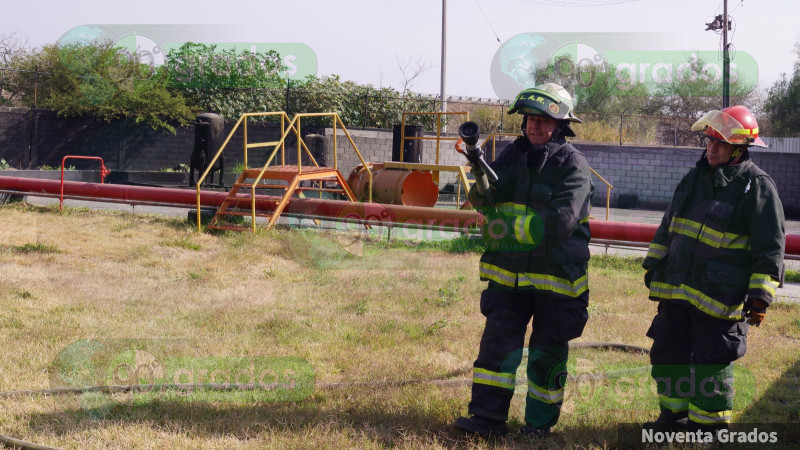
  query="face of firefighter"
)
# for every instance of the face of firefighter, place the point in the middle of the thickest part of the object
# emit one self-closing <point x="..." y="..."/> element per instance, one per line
<point x="540" y="129"/>
<point x="718" y="153"/>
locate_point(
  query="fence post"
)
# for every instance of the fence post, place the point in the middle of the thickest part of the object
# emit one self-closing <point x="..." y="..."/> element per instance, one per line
<point x="288" y="113"/>
<point x="675" y="130"/>
<point x="621" y="118"/>
<point x="35" y="84"/>
<point x="501" y="117"/>
<point x="364" y="121"/>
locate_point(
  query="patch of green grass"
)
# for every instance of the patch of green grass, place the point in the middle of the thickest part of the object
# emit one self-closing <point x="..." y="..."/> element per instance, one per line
<point x="460" y="244"/>
<point x="24" y="295"/>
<point x="184" y="242"/>
<point x="791" y="276"/>
<point x="123" y="227"/>
<point x="449" y="293"/>
<point x="37" y="247"/>
<point x="628" y="264"/>
<point x="358" y="308"/>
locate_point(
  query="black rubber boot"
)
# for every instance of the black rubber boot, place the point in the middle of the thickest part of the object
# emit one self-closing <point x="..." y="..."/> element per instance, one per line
<point x="535" y="432"/>
<point x="481" y="426"/>
<point x="670" y="421"/>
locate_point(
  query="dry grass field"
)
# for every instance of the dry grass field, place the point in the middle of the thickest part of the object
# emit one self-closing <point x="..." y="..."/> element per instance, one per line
<point x="367" y="351"/>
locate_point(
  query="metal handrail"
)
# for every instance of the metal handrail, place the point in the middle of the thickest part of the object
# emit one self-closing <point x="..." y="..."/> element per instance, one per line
<point x="609" y="187"/>
<point x="103" y="173"/>
<point x="438" y="137"/>
<point x="294" y="125"/>
<point x="242" y="119"/>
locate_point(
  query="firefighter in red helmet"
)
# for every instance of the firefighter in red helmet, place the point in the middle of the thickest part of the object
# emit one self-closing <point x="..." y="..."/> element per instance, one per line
<point x="713" y="267"/>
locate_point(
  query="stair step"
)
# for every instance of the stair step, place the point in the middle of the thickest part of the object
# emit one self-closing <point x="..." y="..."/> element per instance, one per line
<point x="262" y="186"/>
<point x="229" y="227"/>
<point x="247" y="213"/>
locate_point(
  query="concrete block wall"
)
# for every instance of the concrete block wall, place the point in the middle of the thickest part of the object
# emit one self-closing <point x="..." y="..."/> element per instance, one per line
<point x="649" y="173"/>
<point x="31" y="138"/>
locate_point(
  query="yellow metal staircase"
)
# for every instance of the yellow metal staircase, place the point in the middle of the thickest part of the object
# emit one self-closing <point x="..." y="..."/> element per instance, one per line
<point x="283" y="178"/>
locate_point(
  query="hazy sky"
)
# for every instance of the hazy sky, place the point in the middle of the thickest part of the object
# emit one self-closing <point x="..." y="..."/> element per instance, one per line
<point x="362" y="40"/>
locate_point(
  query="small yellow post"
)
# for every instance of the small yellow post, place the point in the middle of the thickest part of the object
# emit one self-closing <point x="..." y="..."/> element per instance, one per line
<point x="244" y="128"/>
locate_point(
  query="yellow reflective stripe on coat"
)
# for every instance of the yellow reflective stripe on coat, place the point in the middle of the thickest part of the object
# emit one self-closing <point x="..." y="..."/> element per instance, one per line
<point x="545" y="395"/>
<point x="763" y="281"/>
<point x="522" y="229"/>
<point x="657" y="251"/>
<point x="698" y="415"/>
<point x="700" y="300"/>
<point x="498" y="275"/>
<point x="708" y="235"/>
<point x="551" y="283"/>
<point x="512" y="209"/>
<point x="497" y="379"/>
<point x="685" y="227"/>
<point x="673" y="404"/>
<point x="718" y="239"/>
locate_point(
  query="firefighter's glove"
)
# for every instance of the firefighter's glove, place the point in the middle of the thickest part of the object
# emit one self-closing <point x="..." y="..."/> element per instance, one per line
<point x="755" y="310"/>
<point x="648" y="277"/>
<point x="476" y="170"/>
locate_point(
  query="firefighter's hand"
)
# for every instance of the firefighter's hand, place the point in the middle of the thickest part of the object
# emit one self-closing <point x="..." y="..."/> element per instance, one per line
<point x="476" y="170"/>
<point x="755" y="311"/>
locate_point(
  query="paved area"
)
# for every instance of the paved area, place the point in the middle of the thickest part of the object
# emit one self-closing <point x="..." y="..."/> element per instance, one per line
<point x="790" y="292"/>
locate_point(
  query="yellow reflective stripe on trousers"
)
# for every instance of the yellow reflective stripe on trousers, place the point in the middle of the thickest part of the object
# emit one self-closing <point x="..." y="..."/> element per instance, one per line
<point x="673" y="404"/>
<point x="656" y="251"/>
<point x="497" y="379"/>
<point x="763" y="281"/>
<point x="498" y="275"/>
<point x="698" y="415"/>
<point x="545" y="395"/>
<point x="718" y="239"/>
<point x="522" y="227"/>
<point x="700" y="300"/>
<point x="558" y="285"/>
<point x="685" y="227"/>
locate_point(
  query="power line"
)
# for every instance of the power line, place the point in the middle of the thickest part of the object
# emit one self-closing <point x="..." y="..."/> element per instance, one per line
<point x="488" y="22"/>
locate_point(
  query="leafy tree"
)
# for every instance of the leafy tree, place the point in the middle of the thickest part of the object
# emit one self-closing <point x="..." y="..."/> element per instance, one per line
<point x="97" y="80"/>
<point x="356" y="104"/>
<point x="781" y="106"/>
<point x="227" y="82"/>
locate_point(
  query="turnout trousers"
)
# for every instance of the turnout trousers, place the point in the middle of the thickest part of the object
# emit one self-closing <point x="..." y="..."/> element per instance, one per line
<point x="556" y="320"/>
<point x="691" y="361"/>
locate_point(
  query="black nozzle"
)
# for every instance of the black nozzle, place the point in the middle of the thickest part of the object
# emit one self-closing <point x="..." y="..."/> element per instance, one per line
<point x="469" y="132"/>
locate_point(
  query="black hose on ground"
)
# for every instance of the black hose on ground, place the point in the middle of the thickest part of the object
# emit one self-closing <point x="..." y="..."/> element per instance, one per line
<point x="18" y="443"/>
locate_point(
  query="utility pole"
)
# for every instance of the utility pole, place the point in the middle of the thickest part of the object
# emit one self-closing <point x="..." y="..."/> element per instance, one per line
<point x="722" y="23"/>
<point x="444" y="60"/>
<point x="726" y="59"/>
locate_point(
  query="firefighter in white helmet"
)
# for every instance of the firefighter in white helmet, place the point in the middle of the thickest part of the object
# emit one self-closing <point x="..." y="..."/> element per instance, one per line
<point x="537" y="237"/>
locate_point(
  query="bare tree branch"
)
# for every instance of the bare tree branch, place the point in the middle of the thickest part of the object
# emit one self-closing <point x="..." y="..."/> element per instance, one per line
<point x="411" y="69"/>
